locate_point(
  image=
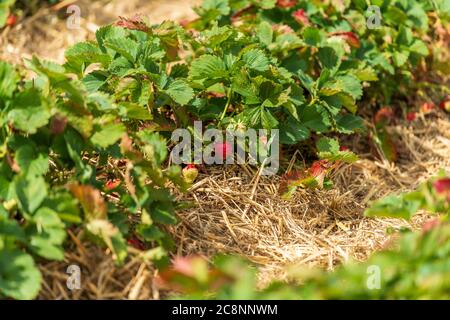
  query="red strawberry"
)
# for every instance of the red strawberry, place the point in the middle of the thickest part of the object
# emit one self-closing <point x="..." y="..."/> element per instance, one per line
<point x="349" y="37"/>
<point x="223" y="150"/>
<point x="216" y="94"/>
<point x="190" y="173"/>
<point x="112" y="184"/>
<point x="238" y="14"/>
<point x="411" y="116"/>
<point x="427" y="107"/>
<point x="286" y="3"/>
<point x="442" y="186"/>
<point x="135" y="242"/>
<point x="301" y="17"/>
<point x="281" y="28"/>
<point x="11" y="20"/>
<point x="344" y="148"/>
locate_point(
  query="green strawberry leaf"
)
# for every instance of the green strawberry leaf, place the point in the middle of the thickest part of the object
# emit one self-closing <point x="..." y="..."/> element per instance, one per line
<point x="255" y="59"/>
<point x="108" y="135"/>
<point x="180" y="92"/>
<point x="19" y="277"/>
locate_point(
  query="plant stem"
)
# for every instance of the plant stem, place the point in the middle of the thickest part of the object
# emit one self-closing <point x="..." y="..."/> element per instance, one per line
<point x="313" y="100"/>
<point x="227" y="105"/>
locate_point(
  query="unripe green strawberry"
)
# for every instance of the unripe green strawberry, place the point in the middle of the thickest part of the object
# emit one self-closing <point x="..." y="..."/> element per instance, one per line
<point x="445" y="104"/>
<point x="10" y="205"/>
<point x="190" y="173"/>
<point x="301" y="17"/>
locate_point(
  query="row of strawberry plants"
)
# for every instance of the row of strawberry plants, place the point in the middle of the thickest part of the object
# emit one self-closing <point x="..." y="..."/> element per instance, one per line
<point x="74" y="160"/>
<point x="383" y="39"/>
<point x="244" y="66"/>
<point x="82" y="144"/>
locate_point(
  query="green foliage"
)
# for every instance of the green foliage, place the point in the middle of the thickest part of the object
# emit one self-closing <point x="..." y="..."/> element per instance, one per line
<point x="84" y="143"/>
<point x="335" y="36"/>
<point x="19" y="277"/>
<point x="61" y="145"/>
<point x="432" y="196"/>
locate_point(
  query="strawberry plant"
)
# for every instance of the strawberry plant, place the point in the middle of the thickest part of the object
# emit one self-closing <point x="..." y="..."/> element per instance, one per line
<point x="390" y="50"/>
<point x="61" y="145"/>
<point x="432" y="196"/>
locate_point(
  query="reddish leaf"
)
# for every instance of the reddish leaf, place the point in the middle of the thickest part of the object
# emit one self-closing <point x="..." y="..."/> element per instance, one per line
<point x="241" y="12"/>
<point x="282" y="28"/>
<point x="126" y="147"/>
<point x="135" y="23"/>
<point x="319" y="170"/>
<point x="351" y="38"/>
<point x="216" y="95"/>
<point x="91" y="200"/>
<point x="288" y="179"/>
<point x="12" y="163"/>
<point x="286" y="3"/>
<point x="190" y="274"/>
<point x="301" y="17"/>
<point x="136" y="243"/>
<point x="384" y="116"/>
<point x="387" y="146"/>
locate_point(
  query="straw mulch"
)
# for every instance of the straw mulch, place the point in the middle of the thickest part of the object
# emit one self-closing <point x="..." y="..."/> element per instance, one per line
<point x="101" y="278"/>
<point x="240" y="212"/>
